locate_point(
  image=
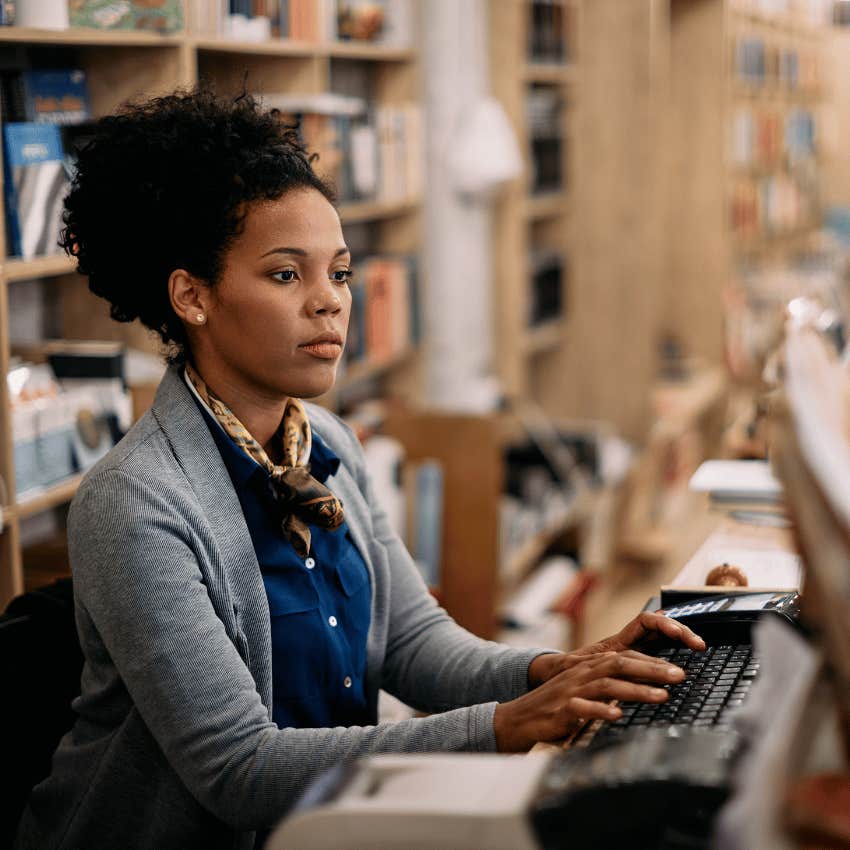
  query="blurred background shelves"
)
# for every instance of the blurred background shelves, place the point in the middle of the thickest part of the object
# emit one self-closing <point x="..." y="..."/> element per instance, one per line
<point x="41" y="296"/>
<point x="679" y="160"/>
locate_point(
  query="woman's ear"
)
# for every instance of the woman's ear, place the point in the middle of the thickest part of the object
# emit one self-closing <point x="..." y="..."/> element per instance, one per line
<point x="189" y="297"/>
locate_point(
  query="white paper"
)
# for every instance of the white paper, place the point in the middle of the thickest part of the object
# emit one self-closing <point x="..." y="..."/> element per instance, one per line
<point x="737" y="479"/>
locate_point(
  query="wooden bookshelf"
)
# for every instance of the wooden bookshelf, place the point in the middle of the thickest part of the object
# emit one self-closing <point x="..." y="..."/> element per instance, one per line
<point x="124" y="65"/>
<point x="709" y="252"/>
<point x="526" y="220"/>
<point x="470" y="449"/>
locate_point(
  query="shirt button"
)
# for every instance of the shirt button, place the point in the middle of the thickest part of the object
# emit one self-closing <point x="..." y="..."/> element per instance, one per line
<point x="347" y="681"/>
<point x="332" y="620"/>
<point x="309" y="563"/>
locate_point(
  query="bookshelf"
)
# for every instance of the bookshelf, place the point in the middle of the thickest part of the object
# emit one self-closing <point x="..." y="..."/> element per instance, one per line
<point x="530" y="217"/>
<point x="606" y="219"/>
<point x="477" y="576"/>
<point x="755" y="200"/>
<point x="123" y="65"/>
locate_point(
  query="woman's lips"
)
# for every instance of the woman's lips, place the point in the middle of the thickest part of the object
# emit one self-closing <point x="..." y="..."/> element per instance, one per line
<point x="323" y="350"/>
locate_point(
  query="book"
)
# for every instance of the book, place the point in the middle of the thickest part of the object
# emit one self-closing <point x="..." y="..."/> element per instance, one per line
<point x="35" y="186"/>
<point x="57" y="96"/>
<point x="547" y="287"/>
<point x="304" y="23"/>
<point x="547" y="31"/>
<point x="163" y="16"/>
<point x="355" y="342"/>
<point x="385" y="316"/>
<point x="379" y="310"/>
<point x="544" y="110"/>
<point x="337" y="128"/>
<point x="427" y="520"/>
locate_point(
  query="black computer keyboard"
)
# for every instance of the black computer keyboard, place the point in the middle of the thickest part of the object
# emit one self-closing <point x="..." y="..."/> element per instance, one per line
<point x="717" y="680"/>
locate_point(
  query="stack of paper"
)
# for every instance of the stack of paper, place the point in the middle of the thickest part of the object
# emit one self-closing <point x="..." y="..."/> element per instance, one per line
<point x="737" y="481"/>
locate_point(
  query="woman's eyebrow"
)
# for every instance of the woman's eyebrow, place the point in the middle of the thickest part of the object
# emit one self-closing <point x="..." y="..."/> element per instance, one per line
<point x="300" y="252"/>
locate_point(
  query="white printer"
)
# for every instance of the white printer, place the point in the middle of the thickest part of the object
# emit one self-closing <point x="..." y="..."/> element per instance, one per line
<point x="635" y="793"/>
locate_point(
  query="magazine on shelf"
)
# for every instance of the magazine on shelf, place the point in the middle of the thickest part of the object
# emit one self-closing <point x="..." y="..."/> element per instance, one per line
<point x="35" y="186"/>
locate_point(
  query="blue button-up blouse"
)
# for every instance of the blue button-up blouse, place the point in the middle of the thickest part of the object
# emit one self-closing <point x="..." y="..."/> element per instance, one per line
<point x="320" y="606"/>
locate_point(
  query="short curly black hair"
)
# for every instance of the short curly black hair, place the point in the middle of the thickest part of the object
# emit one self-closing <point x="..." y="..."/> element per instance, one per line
<point x="164" y="184"/>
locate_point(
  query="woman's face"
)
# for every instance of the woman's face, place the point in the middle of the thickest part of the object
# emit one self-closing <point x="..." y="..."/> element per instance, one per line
<point x="278" y="317"/>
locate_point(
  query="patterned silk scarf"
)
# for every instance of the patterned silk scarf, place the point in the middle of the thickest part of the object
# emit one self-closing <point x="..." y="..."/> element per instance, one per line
<point x="300" y="498"/>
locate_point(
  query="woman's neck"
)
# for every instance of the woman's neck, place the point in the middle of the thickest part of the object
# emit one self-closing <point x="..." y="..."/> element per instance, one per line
<point x="260" y="412"/>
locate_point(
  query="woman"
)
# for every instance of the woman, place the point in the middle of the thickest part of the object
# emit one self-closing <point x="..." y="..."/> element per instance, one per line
<point x="240" y="595"/>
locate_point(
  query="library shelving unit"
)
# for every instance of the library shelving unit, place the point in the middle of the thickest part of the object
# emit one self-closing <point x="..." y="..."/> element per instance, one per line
<point x="476" y="576"/>
<point x="595" y="357"/>
<point x="532" y="219"/>
<point x="123" y="65"/>
<point x="747" y="95"/>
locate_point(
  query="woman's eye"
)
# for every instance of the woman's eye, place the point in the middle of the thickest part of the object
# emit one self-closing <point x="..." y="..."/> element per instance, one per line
<point x="342" y="276"/>
<point x="286" y="276"/>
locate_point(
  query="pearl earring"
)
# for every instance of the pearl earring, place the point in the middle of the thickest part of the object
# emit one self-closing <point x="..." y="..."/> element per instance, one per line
<point x="201" y="318"/>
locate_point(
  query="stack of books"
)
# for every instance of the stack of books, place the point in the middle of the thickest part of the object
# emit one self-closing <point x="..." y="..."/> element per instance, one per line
<point x="544" y="111"/>
<point x="384" y="312"/>
<point x="45" y="114"/>
<point x="367" y="153"/>
<point x="387" y="22"/>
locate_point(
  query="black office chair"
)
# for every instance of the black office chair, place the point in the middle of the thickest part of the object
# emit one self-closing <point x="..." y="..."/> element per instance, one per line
<point x="40" y="666"/>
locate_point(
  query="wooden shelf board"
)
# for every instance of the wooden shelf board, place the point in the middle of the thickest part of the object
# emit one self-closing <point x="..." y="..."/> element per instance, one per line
<point x="93" y="37"/>
<point x="784" y="23"/>
<point x="546" y="205"/>
<point x="549" y="72"/>
<point x="754" y="169"/>
<point x="48" y="497"/>
<point x="351" y="213"/>
<point x="272" y="47"/>
<point x="56" y="264"/>
<point x="544" y="337"/>
<point x="369" y="52"/>
<point x="762" y="240"/>
<point x="304" y="49"/>
<point x="746" y="90"/>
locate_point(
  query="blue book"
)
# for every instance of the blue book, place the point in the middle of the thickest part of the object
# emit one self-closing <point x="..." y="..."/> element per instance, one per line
<point x="56" y="96"/>
<point x="355" y="343"/>
<point x="35" y="187"/>
<point x="429" y="521"/>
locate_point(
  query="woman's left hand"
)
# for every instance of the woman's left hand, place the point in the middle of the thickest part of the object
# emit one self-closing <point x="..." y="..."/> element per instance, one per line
<point x="646" y="625"/>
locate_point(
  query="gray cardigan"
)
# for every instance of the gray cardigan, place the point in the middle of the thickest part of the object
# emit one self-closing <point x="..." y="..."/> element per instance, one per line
<point x="174" y="746"/>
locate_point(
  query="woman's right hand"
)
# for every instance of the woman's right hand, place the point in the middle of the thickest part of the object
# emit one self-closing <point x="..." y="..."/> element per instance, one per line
<point x="581" y="692"/>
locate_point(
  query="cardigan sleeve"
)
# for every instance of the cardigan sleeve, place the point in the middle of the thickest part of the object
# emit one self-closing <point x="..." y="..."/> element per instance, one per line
<point x="148" y="614"/>
<point x="431" y="662"/>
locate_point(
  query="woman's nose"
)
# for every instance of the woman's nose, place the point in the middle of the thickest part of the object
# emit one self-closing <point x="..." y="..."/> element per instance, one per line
<point x="324" y="300"/>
